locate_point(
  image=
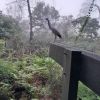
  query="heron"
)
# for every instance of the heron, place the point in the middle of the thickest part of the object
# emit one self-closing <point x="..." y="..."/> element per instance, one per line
<point x="54" y="31"/>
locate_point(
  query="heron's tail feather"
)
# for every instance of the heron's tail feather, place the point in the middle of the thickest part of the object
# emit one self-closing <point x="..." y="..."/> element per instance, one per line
<point x="59" y="35"/>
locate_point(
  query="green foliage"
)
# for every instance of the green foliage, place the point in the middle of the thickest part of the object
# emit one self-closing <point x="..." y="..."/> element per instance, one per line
<point x="10" y="30"/>
<point x="8" y="25"/>
<point x="1" y="45"/>
<point x="29" y="70"/>
<point x="91" y="27"/>
<point x="7" y="72"/>
<point x="86" y="94"/>
<point x="5" y="89"/>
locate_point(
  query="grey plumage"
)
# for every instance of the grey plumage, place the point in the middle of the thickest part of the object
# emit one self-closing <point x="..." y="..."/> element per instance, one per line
<point x="54" y="31"/>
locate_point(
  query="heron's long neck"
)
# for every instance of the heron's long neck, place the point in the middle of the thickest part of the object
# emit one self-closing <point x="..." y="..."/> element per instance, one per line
<point x="49" y="24"/>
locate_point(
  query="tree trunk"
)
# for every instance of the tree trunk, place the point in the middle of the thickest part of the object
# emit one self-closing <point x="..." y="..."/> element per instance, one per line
<point x="30" y="17"/>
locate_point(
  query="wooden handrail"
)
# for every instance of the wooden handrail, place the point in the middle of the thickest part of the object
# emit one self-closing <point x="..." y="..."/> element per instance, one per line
<point x="77" y="66"/>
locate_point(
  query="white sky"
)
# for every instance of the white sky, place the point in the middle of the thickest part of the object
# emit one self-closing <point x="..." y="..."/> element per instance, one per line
<point x="65" y="7"/>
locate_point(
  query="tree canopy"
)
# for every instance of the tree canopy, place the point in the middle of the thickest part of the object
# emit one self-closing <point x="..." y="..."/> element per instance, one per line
<point x="91" y="28"/>
<point x="41" y="11"/>
<point x="8" y="26"/>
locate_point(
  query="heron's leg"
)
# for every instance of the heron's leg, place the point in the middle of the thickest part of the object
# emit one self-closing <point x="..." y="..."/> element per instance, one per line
<point x="55" y="38"/>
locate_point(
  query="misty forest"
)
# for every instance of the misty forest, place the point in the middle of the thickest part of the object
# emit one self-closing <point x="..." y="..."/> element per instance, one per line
<point x="27" y="28"/>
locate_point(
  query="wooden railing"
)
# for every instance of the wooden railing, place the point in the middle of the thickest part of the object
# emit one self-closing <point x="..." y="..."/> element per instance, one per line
<point x="77" y="66"/>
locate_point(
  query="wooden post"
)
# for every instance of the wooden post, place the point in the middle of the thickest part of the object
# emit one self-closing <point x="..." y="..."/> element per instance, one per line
<point x="77" y="65"/>
<point x="71" y="69"/>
